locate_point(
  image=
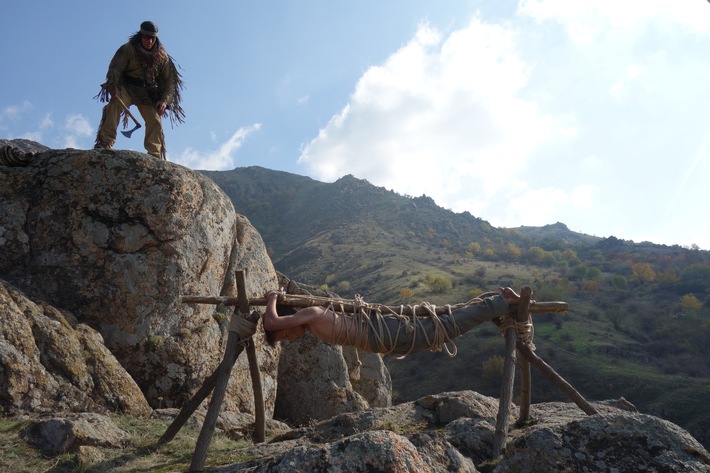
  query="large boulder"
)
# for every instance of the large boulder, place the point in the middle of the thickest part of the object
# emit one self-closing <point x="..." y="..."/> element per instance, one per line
<point x="51" y="363"/>
<point x="116" y="237"/>
<point x="313" y="383"/>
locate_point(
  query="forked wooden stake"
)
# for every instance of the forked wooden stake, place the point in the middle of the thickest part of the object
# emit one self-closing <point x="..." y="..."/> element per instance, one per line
<point x="506" y="391"/>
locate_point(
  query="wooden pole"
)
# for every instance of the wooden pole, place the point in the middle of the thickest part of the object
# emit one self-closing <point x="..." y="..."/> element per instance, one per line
<point x="350" y="306"/>
<point x="189" y="408"/>
<point x="525" y="376"/>
<point x="556" y="379"/>
<point x="508" y="380"/>
<point x="223" y="372"/>
<point x="259" y="417"/>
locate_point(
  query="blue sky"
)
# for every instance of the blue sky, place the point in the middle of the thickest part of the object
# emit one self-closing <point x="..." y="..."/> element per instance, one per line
<point x="590" y="113"/>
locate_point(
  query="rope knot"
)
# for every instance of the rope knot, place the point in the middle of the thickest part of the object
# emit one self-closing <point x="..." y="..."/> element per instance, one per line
<point x="241" y="326"/>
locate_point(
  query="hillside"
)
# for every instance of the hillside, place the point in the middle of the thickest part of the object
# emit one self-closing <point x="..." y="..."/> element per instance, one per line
<point x="639" y="318"/>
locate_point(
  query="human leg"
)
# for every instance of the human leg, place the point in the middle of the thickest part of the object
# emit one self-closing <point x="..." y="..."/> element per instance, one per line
<point x="489" y="308"/>
<point x="154" y="141"/>
<point x="110" y="117"/>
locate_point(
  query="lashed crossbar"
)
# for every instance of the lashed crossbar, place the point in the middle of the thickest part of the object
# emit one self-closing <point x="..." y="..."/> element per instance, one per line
<point x="348" y="305"/>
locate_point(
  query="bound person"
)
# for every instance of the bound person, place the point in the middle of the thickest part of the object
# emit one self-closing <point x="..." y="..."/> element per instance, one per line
<point x="385" y="333"/>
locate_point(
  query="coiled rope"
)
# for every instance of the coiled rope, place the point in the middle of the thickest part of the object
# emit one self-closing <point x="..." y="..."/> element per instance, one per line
<point x="367" y="319"/>
<point x="13" y="157"/>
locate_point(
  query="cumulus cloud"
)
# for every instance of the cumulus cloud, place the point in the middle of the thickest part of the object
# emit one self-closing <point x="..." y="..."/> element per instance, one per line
<point x="442" y="116"/>
<point x="221" y="159"/>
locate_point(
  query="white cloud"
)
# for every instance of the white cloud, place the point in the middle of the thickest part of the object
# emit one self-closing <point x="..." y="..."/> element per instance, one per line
<point x="443" y="117"/>
<point x="220" y="160"/>
<point x="586" y="21"/>
<point x="78" y="127"/>
<point x="14" y="112"/>
<point x="46" y="122"/>
<point x="619" y="89"/>
<point x="583" y="195"/>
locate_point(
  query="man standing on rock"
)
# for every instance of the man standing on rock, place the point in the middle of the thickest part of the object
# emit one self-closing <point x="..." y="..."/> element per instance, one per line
<point x="141" y="73"/>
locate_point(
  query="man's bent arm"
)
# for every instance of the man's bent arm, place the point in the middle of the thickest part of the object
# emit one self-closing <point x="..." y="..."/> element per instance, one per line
<point x="272" y="321"/>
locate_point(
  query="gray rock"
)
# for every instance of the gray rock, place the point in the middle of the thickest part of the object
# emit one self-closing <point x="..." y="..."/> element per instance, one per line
<point x="313" y="383"/>
<point x="453" y="432"/>
<point x="60" y="435"/>
<point x="50" y="365"/>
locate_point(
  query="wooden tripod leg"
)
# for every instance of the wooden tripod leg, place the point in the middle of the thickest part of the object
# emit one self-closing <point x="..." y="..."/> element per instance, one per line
<point x="223" y="372"/>
<point x="556" y="379"/>
<point x="191" y="406"/>
<point x="259" y="417"/>
<point x="506" y="391"/>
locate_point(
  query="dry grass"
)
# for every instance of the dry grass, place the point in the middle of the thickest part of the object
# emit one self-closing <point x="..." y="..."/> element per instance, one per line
<point x="137" y="455"/>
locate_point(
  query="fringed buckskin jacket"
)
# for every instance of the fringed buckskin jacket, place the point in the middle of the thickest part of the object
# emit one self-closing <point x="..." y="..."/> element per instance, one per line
<point x="148" y="76"/>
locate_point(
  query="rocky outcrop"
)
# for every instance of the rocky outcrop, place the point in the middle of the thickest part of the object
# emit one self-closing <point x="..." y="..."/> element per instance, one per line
<point x="51" y="363"/>
<point x="115" y="238"/>
<point x="313" y="383"/>
<point x="454" y="432"/>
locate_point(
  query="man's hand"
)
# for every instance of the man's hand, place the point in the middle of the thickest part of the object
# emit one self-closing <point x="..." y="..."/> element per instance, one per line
<point x="277" y="295"/>
<point x="510" y="296"/>
<point x="161" y="106"/>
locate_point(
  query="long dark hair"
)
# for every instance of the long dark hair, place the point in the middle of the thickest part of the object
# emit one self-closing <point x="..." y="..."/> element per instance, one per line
<point x="153" y="56"/>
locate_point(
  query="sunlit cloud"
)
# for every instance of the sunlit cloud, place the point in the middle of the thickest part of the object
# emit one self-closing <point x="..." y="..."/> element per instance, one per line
<point x="620" y="88"/>
<point x="442" y="116"/>
<point x="221" y="159"/>
<point x="586" y="21"/>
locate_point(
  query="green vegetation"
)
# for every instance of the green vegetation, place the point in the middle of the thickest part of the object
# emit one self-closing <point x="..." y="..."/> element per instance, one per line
<point x="138" y="454"/>
<point x="639" y="319"/>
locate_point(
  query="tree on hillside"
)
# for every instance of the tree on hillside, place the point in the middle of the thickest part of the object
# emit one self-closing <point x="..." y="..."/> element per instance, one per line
<point x="474" y="247"/>
<point x="535" y="254"/>
<point x="438" y="284"/>
<point x="690" y="303"/>
<point x="619" y="282"/>
<point x="642" y="272"/>
<point x="695" y="278"/>
<point x="512" y="252"/>
<point x="406" y="294"/>
<point x="570" y="256"/>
